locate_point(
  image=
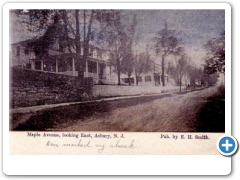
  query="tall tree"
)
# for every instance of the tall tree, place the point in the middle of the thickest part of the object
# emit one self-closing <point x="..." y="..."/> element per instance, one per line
<point x="128" y="56"/>
<point x="142" y="64"/>
<point x="195" y="75"/>
<point x="119" y="41"/>
<point x="215" y="59"/>
<point x="210" y="79"/>
<point x="179" y="70"/>
<point x="128" y="65"/>
<point x="166" y="44"/>
<point x="78" y="45"/>
<point x="55" y="32"/>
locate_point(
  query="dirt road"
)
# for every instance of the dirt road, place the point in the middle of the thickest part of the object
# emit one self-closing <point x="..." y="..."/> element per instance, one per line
<point x="170" y="114"/>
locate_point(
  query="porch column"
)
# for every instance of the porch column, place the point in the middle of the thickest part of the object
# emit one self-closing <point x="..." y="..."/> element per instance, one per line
<point x="33" y="64"/>
<point x="87" y="66"/>
<point x="41" y="65"/>
<point x="105" y="71"/>
<point x="97" y="70"/>
<point x="56" y="66"/>
<point x="73" y="66"/>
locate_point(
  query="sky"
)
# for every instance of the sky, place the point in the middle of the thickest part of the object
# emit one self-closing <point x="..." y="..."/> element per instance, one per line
<point x="193" y="27"/>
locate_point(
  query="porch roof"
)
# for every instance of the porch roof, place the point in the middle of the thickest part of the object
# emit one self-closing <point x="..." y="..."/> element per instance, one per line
<point x="67" y="55"/>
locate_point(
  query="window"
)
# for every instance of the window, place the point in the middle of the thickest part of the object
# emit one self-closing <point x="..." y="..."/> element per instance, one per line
<point x="99" y="55"/>
<point x="90" y="52"/>
<point x="139" y="78"/>
<point x="26" y="51"/>
<point x="61" y="48"/>
<point x="126" y="80"/>
<point x="148" y="78"/>
<point x="18" y="50"/>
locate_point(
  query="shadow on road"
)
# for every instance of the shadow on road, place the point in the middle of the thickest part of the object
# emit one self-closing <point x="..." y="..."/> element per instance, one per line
<point x="211" y="117"/>
<point x="50" y="118"/>
<point x="46" y="119"/>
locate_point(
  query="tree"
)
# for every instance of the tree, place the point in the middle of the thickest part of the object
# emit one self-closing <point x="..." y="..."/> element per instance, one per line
<point x="36" y="20"/>
<point x="215" y="60"/>
<point x="142" y="64"/>
<point x="54" y="31"/>
<point x="128" y="65"/>
<point x="179" y="70"/>
<point x="210" y="79"/>
<point x="128" y="56"/>
<point x="117" y="41"/>
<point x="119" y="37"/>
<point x="167" y="43"/>
<point x="195" y="75"/>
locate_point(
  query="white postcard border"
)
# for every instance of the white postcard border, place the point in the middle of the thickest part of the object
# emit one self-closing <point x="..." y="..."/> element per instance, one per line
<point x="114" y="165"/>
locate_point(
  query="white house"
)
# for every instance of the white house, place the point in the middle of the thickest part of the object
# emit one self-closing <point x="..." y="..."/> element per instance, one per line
<point x="62" y="60"/>
<point x="59" y="60"/>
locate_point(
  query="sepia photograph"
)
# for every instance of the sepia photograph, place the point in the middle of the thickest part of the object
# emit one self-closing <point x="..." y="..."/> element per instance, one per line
<point x="141" y="86"/>
<point x="117" y="70"/>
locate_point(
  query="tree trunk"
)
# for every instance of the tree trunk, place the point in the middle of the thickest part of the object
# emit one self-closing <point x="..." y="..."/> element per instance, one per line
<point x="78" y="47"/>
<point x="136" y="79"/>
<point x="118" y="72"/>
<point x="163" y="74"/>
<point x="180" y="84"/>
<point x="119" y="80"/>
<point x="129" y="82"/>
<point x="86" y="40"/>
<point x="66" y="29"/>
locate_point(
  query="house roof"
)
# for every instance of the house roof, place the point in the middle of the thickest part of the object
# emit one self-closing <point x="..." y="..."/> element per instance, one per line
<point x="25" y="42"/>
<point x="71" y="40"/>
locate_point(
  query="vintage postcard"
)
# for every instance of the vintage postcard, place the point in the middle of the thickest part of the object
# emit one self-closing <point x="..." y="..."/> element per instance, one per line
<point x="112" y="79"/>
